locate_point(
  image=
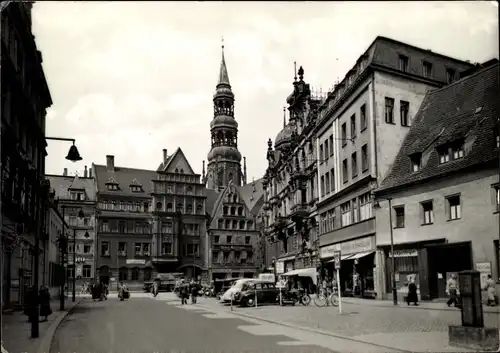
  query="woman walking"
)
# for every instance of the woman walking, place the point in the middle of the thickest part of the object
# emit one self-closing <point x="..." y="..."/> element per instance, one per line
<point x="45" y="309"/>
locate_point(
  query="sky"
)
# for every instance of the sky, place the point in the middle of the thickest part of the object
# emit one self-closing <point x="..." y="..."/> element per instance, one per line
<point x="132" y="78"/>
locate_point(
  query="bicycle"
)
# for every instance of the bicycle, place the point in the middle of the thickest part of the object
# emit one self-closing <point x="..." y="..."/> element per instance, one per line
<point x="325" y="299"/>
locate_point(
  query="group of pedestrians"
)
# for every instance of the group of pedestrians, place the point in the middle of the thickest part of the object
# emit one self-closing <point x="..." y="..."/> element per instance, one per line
<point x="187" y="288"/>
<point x="34" y="299"/>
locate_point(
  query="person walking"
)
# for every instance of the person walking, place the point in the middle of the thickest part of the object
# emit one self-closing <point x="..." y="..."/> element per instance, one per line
<point x="45" y="309"/>
<point x="412" y="293"/>
<point x="491" y="290"/>
<point x="452" y="290"/>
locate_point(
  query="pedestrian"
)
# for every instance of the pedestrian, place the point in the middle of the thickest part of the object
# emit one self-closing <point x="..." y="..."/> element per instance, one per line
<point x="30" y="303"/>
<point x="491" y="290"/>
<point x="184" y="292"/>
<point x="452" y="290"/>
<point x="412" y="293"/>
<point x="45" y="309"/>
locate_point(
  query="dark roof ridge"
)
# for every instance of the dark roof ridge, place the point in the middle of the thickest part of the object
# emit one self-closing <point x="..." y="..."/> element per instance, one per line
<point x="118" y="167"/>
<point x="478" y="72"/>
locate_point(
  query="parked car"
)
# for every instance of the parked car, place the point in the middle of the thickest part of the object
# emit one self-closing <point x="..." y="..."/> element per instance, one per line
<point x="262" y="291"/>
<point x="235" y="288"/>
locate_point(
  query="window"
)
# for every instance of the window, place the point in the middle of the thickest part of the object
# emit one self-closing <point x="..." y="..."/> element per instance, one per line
<point x="192" y="249"/>
<point x="365" y="207"/>
<point x="362" y="117"/>
<point x="345" y="211"/>
<point x="427" y="212"/>
<point x="450" y="75"/>
<point x="354" y="165"/>
<point x="104" y="226"/>
<point x="121" y="227"/>
<point x="332" y="179"/>
<point x="427" y="69"/>
<point x="240" y="211"/>
<point x="216" y="239"/>
<point x="122" y="249"/>
<point x="87" y="249"/>
<point x="331" y="145"/>
<point x="444" y="155"/>
<point x="457" y="151"/>
<point x="138" y="249"/>
<point x="344" y="134"/>
<point x="189" y="208"/>
<point x="321" y="154"/>
<point x="87" y="271"/>
<point x="355" y="213"/>
<point x="353" y="126"/>
<point x="327" y="155"/>
<point x="145" y="249"/>
<point x="104" y="248"/>
<point x="345" y="171"/>
<point x="322" y="185"/>
<point x="327" y="182"/>
<point x="416" y="162"/>
<point x="364" y="158"/>
<point x="179" y="207"/>
<point x="123" y="274"/>
<point x="166" y="248"/>
<point x="146" y="207"/>
<point x="70" y="271"/>
<point x="389" y="110"/>
<point x="404" y="108"/>
<point x="454" y="209"/>
<point x="247" y="240"/>
<point x="399" y="212"/>
<point x="403" y="63"/>
<point x="229" y="239"/>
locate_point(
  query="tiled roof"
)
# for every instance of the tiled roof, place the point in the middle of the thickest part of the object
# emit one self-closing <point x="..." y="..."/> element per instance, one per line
<point x="60" y="184"/>
<point x="466" y="109"/>
<point x="211" y="199"/>
<point x="253" y="195"/>
<point x="124" y="177"/>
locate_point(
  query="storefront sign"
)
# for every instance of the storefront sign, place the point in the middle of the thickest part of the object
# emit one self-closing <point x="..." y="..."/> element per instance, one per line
<point x="404" y="253"/>
<point x="328" y="251"/>
<point x="136" y="261"/>
<point x="359" y="245"/>
<point x="484" y="269"/>
<point x="280" y="267"/>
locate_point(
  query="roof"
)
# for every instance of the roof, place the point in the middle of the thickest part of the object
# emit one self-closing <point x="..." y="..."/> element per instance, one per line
<point x="60" y="184"/>
<point x="180" y="158"/>
<point x="223" y="75"/>
<point x="465" y="110"/>
<point x="253" y="195"/>
<point x="211" y="199"/>
<point x="124" y="177"/>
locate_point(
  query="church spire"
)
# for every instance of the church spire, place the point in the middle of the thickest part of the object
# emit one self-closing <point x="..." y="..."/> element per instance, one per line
<point x="223" y="75"/>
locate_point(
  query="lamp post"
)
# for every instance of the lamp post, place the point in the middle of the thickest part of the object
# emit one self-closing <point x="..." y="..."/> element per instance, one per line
<point x="62" y="248"/>
<point x="393" y="263"/>
<point x="81" y="215"/>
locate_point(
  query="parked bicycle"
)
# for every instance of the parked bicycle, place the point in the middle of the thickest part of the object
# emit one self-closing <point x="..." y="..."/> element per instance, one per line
<point x="326" y="298"/>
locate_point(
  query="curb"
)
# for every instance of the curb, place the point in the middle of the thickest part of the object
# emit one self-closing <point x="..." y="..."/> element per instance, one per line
<point x="47" y="339"/>
<point x="317" y="331"/>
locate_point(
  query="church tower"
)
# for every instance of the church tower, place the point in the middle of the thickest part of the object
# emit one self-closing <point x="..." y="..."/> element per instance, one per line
<point x="224" y="159"/>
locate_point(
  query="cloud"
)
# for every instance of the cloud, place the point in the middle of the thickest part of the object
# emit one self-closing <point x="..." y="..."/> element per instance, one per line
<point x="130" y="78"/>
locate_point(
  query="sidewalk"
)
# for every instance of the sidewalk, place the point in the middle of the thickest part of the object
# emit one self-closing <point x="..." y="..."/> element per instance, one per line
<point x="16" y="329"/>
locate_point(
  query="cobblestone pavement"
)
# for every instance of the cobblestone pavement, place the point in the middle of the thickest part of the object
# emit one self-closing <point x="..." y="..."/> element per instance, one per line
<point x="146" y="325"/>
<point x="410" y="328"/>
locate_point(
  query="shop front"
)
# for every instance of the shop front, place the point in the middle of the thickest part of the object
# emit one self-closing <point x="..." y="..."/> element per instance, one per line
<point x="429" y="264"/>
<point x="357" y="265"/>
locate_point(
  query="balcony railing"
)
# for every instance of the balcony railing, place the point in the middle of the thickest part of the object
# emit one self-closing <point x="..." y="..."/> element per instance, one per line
<point x="300" y="211"/>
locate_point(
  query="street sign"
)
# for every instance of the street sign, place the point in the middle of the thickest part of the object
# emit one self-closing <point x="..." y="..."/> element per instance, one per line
<point x="336" y="256"/>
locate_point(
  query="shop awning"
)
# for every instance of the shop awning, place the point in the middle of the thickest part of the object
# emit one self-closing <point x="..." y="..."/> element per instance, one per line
<point x="343" y="257"/>
<point x="360" y="255"/>
<point x="304" y="272"/>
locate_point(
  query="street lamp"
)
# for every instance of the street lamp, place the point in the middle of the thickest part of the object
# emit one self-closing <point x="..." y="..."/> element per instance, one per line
<point x="63" y="243"/>
<point x="81" y="215"/>
<point x="393" y="263"/>
<point x="73" y="154"/>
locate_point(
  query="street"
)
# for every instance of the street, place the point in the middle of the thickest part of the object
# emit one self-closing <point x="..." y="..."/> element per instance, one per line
<point x="146" y="324"/>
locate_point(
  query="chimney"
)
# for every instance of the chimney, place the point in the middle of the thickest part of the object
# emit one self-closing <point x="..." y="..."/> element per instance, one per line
<point x="90" y="172"/>
<point x="165" y="155"/>
<point x="85" y="172"/>
<point x="110" y="163"/>
<point x="65" y="172"/>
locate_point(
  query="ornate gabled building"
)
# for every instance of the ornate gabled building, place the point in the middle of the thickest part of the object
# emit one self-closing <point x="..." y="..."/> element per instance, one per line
<point x="290" y="192"/>
<point x="233" y="205"/>
<point x="123" y="223"/>
<point x="179" y="240"/>
<point x="75" y="193"/>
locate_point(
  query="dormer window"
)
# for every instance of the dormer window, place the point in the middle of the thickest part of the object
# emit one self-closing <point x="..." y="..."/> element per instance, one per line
<point x="77" y="195"/>
<point x="457" y="151"/>
<point x="444" y="155"/>
<point x="403" y="63"/>
<point x="112" y="184"/>
<point x="452" y="152"/>
<point x="416" y="162"/>
<point x="135" y="188"/>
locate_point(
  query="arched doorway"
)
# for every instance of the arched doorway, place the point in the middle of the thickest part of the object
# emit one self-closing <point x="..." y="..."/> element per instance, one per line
<point x="104" y="275"/>
<point x="191" y="271"/>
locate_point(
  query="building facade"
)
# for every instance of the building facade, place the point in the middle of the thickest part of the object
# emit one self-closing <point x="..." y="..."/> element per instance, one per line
<point x="233" y="205"/>
<point x="360" y="130"/>
<point x="443" y="191"/>
<point x="124" y="224"/>
<point x="25" y="99"/>
<point x="179" y="239"/>
<point x="290" y="186"/>
<point x="76" y="199"/>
